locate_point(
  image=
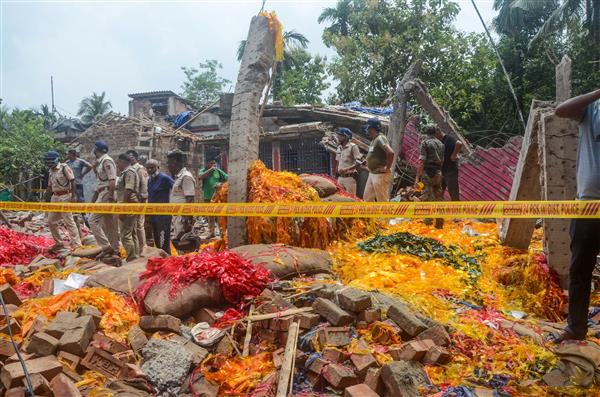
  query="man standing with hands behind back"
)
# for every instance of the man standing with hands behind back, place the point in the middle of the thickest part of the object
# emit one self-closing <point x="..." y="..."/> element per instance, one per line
<point x="585" y="233"/>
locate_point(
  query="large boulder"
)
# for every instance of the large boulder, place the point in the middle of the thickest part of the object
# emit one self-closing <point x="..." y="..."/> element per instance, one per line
<point x="285" y="261"/>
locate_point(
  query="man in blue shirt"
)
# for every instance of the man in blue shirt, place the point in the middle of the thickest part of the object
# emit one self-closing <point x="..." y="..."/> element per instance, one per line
<point x="585" y="233"/>
<point x="159" y="189"/>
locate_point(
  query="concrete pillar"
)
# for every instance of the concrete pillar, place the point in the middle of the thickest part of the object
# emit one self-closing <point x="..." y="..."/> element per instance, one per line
<point x="516" y="233"/>
<point x="558" y="141"/>
<point x="563" y="79"/>
<point x="244" y="127"/>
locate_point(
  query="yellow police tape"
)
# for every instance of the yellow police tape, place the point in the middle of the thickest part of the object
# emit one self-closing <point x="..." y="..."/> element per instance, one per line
<point x="476" y="209"/>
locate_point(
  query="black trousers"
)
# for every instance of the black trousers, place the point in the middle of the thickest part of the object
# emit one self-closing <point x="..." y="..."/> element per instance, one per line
<point x="161" y="232"/>
<point x="450" y="182"/>
<point x="585" y="246"/>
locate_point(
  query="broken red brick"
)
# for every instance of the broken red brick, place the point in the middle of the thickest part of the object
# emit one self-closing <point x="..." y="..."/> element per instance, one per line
<point x="14" y="358"/>
<point x="360" y="390"/>
<point x="12" y="374"/>
<point x="407" y="321"/>
<point x="127" y="356"/>
<point x="42" y="344"/>
<point x="110" y="345"/>
<point x="46" y="289"/>
<point x="41" y="387"/>
<point x="65" y="322"/>
<point x="335" y="315"/>
<point x="62" y="386"/>
<point x="38" y="325"/>
<point x="436" y="355"/>
<point x="93" y="312"/>
<point x="267" y="335"/>
<point x="6" y="348"/>
<point x="339" y="376"/>
<point x="410" y="351"/>
<point x="69" y="360"/>
<point x="354" y="300"/>
<point x="369" y="316"/>
<point x="163" y="322"/>
<point x="137" y="338"/>
<point x="437" y="334"/>
<point x="76" y="341"/>
<point x="399" y="379"/>
<point x="333" y="355"/>
<point x="9" y="295"/>
<point x="278" y="357"/>
<point x="301" y="358"/>
<point x="316" y="380"/>
<point x="16" y="392"/>
<point x="363" y="362"/>
<point x="282" y="338"/>
<point x="317" y="365"/>
<point x="266" y="388"/>
<point x="14" y="326"/>
<point x="308" y="320"/>
<point x="334" y="336"/>
<point x="103" y="362"/>
<point x="374" y="381"/>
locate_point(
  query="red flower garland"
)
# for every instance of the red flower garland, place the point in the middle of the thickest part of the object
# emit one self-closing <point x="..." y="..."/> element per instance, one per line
<point x="237" y="277"/>
<point x="19" y="248"/>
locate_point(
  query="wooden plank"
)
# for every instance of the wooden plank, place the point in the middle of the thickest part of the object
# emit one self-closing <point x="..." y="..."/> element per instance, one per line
<point x="248" y="336"/>
<point x="284" y="313"/>
<point x="286" y="373"/>
<point x="244" y="126"/>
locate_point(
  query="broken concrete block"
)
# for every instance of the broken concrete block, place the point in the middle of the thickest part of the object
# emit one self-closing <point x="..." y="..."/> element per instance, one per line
<point x="374" y="381"/>
<point x="436" y="355"/>
<point x="332" y="312"/>
<point x="12" y="374"/>
<point x="369" y="315"/>
<point x="437" y="334"/>
<point x="9" y="295"/>
<point x="406" y="320"/>
<point x="339" y="376"/>
<point x="137" y="338"/>
<point x="62" y="386"/>
<point x="360" y="390"/>
<point x="166" y="364"/>
<point x="42" y="344"/>
<point x="163" y="322"/>
<point x="334" y="336"/>
<point x="354" y="300"/>
<point x="402" y="378"/>
<point x="103" y="362"/>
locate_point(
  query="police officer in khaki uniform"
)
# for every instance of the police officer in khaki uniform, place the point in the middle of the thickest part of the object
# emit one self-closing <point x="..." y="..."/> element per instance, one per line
<point x="143" y="197"/>
<point x="183" y="191"/>
<point x="429" y="170"/>
<point x="61" y="189"/>
<point x="128" y="186"/>
<point x="347" y="160"/>
<point x="105" y="226"/>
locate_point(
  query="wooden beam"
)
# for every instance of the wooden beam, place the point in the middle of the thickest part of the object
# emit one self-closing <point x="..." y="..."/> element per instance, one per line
<point x="398" y="118"/>
<point x="439" y="115"/>
<point x="289" y="312"/>
<point x="248" y="337"/>
<point x="287" y="370"/>
<point x="244" y="126"/>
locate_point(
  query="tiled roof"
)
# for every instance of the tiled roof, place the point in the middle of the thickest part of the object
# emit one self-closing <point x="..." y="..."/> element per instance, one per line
<point x="152" y="94"/>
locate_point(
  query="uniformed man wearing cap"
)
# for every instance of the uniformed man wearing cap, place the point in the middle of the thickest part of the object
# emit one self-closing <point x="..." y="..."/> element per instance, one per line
<point x="105" y="226"/>
<point x="61" y="189"/>
<point x="431" y="159"/>
<point x="379" y="162"/>
<point x="183" y="191"/>
<point x="347" y="160"/>
<point x="143" y="197"/>
<point x="128" y="191"/>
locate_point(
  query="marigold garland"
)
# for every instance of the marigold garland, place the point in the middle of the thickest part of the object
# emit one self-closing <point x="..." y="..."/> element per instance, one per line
<point x="240" y="375"/>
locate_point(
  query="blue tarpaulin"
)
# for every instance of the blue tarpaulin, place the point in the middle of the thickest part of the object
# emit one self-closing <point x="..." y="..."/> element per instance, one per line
<point x="181" y="118"/>
<point x="357" y="106"/>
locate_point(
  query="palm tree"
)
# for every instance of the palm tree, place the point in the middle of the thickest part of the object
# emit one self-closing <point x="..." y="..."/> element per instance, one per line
<point x="339" y="16"/>
<point x="569" y="11"/>
<point x="46" y="115"/>
<point x="291" y="39"/>
<point x="92" y="107"/>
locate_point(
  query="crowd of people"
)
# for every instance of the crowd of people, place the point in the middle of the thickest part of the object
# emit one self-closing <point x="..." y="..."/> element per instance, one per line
<point x="126" y="180"/>
<point x="437" y="169"/>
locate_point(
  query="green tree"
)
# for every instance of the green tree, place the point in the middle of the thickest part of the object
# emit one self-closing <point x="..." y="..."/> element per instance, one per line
<point x="93" y="107"/>
<point x="203" y="85"/>
<point x="23" y="142"/>
<point x="48" y="117"/>
<point x="301" y="81"/>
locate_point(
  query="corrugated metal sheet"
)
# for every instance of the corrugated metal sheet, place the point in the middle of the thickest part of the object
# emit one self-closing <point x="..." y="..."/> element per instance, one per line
<point x="485" y="175"/>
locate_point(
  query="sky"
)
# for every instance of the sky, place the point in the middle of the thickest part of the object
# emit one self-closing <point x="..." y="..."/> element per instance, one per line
<point x="129" y="46"/>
